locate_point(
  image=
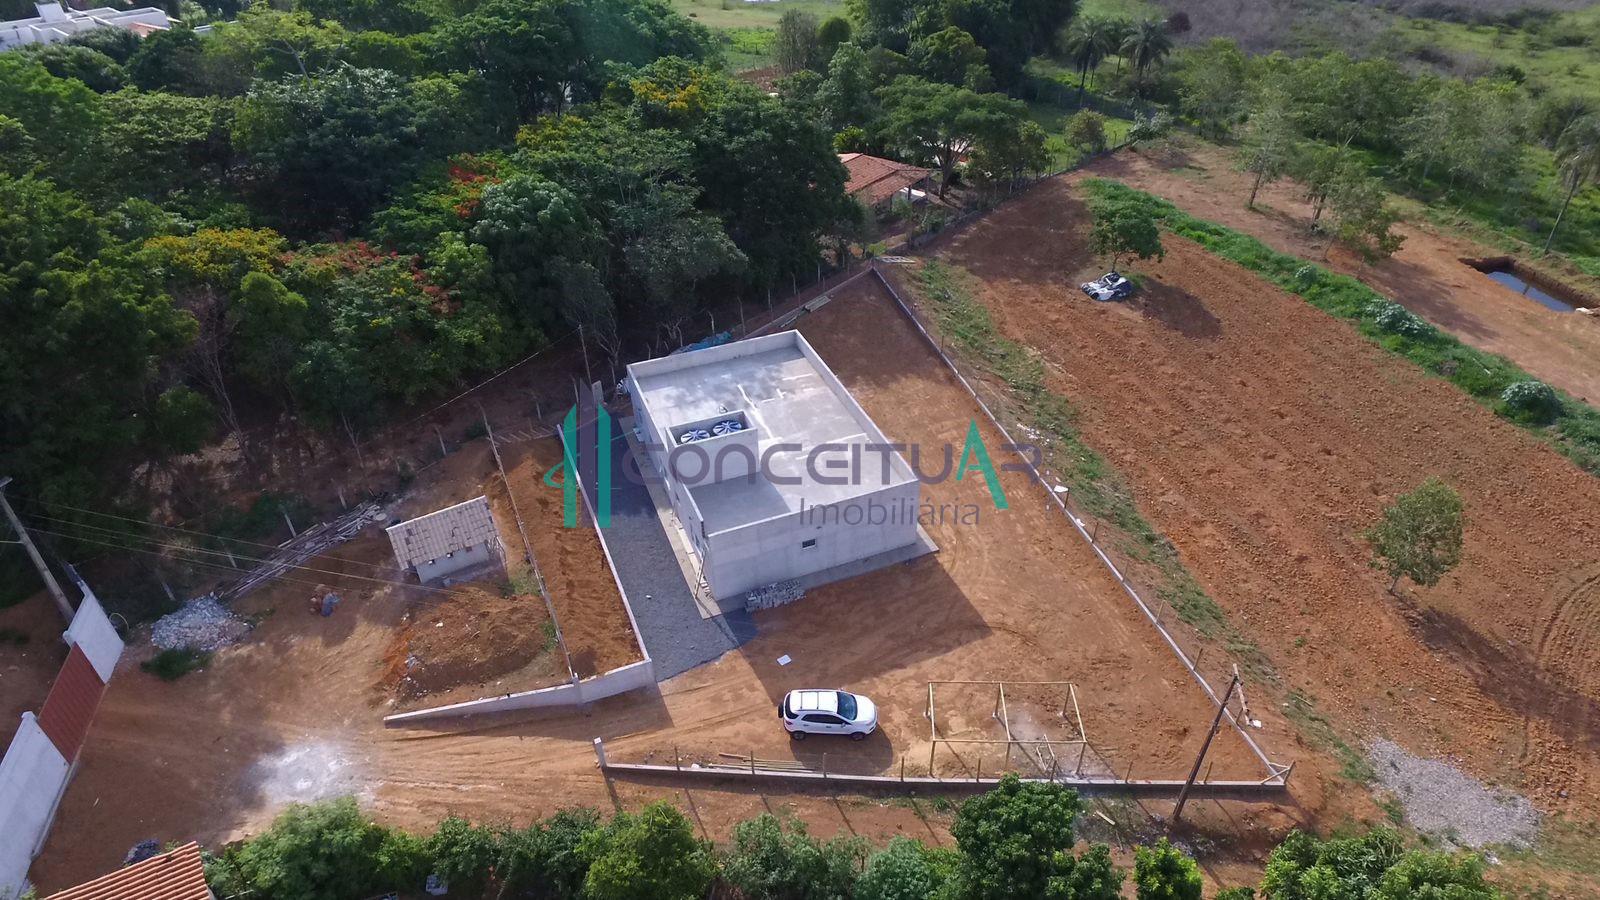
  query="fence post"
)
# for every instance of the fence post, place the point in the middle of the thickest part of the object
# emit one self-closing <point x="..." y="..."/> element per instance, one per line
<point x="600" y="752"/>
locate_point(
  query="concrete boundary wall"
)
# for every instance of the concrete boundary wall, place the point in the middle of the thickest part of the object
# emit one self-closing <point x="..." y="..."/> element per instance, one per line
<point x="1278" y="773"/>
<point x="620" y="680"/>
<point x="34" y="774"/>
<point x="631" y="677"/>
<point x="33" y="778"/>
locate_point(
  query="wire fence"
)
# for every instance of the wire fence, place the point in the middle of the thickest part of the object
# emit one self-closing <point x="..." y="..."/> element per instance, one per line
<point x="1149" y="573"/>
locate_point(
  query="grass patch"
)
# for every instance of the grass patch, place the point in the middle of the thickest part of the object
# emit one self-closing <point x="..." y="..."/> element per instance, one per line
<point x="1575" y="432"/>
<point x="170" y="665"/>
<point x="1353" y="765"/>
<point x="1096" y="488"/>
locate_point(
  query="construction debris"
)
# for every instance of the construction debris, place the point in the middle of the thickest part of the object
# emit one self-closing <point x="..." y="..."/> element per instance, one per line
<point x="775" y="594"/>
<point x="201" y="624"/>
<point x="313" y="541"/>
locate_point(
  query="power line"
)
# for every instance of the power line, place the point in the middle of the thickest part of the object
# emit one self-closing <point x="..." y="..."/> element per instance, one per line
<point x="207" y="534"/>
<point x="229" y="569"/>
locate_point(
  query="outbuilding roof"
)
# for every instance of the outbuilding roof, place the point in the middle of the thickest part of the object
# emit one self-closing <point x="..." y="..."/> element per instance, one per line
<point x="175" y="875"/>
<point x="874" y="179"/>
<point x="438" y="534"/>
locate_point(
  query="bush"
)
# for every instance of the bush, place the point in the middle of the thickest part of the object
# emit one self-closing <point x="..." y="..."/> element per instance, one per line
<point x="1393" y="318"/>
<point x="1164" y="872"/>
<point x="170" y="665"/>
<point x="768" y="863"/>
<point x="1532" y="402"/>
<point x="653" y="854"/>
<point x="462" y="854"/>
<point x="543" y="860"/>
<point x="327" y="851"/>
<point x="906" y="870"/>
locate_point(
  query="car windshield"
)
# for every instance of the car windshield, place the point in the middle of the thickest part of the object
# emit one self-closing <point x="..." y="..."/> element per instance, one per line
<point x="847" y="706"/>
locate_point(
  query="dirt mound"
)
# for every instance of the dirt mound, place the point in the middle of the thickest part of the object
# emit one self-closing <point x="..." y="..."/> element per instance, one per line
<point x="466" y="637"/>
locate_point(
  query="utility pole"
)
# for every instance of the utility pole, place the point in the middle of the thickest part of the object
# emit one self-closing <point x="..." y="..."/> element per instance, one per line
<point x="33" y="553"/>
<point x="1183" y="795"/>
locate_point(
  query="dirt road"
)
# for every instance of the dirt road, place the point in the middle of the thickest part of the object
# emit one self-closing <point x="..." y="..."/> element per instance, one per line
<point x="1426" y="275"/>
<point x="292" y="715"/>
<point x="1263" y="436"/>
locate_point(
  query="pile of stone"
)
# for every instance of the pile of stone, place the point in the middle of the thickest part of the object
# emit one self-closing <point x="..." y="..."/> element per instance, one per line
<point x="201" y="624"/>
<point x="776" y="594"/>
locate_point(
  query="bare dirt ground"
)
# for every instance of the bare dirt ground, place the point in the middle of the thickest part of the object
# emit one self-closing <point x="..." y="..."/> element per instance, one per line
<point x="291" y="715"/>
<point x="1262" y="436"/>
<point x="1426" y="275"/>
<point x="582" y="589"/>
<point x="31" y="653"/>
<point x="471" y="639"/>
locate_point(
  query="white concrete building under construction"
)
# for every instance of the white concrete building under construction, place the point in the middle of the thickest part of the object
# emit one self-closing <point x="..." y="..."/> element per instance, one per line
<point x="773" y="470"/>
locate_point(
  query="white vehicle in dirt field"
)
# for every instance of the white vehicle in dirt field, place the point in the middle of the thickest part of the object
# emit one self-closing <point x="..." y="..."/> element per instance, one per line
<point x="1110" y="286"/>
<point x="827" y="712"/>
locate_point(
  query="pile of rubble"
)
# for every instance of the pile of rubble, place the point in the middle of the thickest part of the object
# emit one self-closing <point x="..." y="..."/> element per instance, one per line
<point x="201" y="624"/>
<point x="776" y="594"/>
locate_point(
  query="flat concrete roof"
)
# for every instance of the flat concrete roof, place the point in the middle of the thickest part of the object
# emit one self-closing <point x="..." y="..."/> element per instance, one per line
<point x="791" y="397"/>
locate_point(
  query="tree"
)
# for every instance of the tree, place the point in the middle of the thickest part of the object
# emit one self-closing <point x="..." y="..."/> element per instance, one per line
<point x="795" y="42"/>
<point x="161" y="143"/>
<point x="327" y="851"/>
<point x="1125" y="229"/>
<point x="831" y="34"/>
<point x="330" y="147"/>
<point x="98" y="72"/>
<point x="768" y="863"/>
<point x="1321" y="168"/>
<point x="118" y="43"/>
<point x="462" y="854"/>
<point x="1419" y="537"/>
<point x="1164" y="872"/>
<point x="1362" y="216"/>
<point x="61" y="115"/>
<point x="845" y="96"/>
<point x="168" y="60"/>
<point x="1270" y="144"/>
<point x="1016" y="840"/>
<point x="545" y="859"/>
<point x="906" y="870"/>
<point x="1577" y="162"/>
<point x="1213" y="87"/>
<point x="939" y="120"/>
<point x="1009" y="151"/>
<point x="950" y="56"/>
<point x="86" y="334"/>
<point x="650" y="856"/>
<point x="1145" y="47"/>
<point x="1087" y="129"/>
<point x="1088" y="42"/>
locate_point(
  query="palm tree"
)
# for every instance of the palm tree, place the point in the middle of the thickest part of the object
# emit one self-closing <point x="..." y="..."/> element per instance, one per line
<point x="1117" y="31"/>
<point x="1147" y="45"/>
<point x="1088" y="43"/>
<point x="1578" y="162"/>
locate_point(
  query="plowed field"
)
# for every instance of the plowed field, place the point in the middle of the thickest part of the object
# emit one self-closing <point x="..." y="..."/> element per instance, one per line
<point x="1263" y="436"/>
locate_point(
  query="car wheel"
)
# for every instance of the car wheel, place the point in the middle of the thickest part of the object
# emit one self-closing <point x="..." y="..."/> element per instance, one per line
<point x="797" y="735"/>
<point x="859" y="736"/>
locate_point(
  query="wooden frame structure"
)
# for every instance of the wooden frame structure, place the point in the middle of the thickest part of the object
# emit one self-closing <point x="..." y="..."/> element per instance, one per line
<point x="1046" y="760"/>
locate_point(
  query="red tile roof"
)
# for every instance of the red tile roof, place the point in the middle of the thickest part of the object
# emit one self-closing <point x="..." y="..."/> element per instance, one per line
<point x="69" y="708"/>
<point x="874" y="179"/>
<point x="174" y="875"/>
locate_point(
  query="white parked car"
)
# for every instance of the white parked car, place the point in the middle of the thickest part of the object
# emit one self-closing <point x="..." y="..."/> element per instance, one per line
<point x="1110" y="286"/>
<point x="827" y="712"/>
